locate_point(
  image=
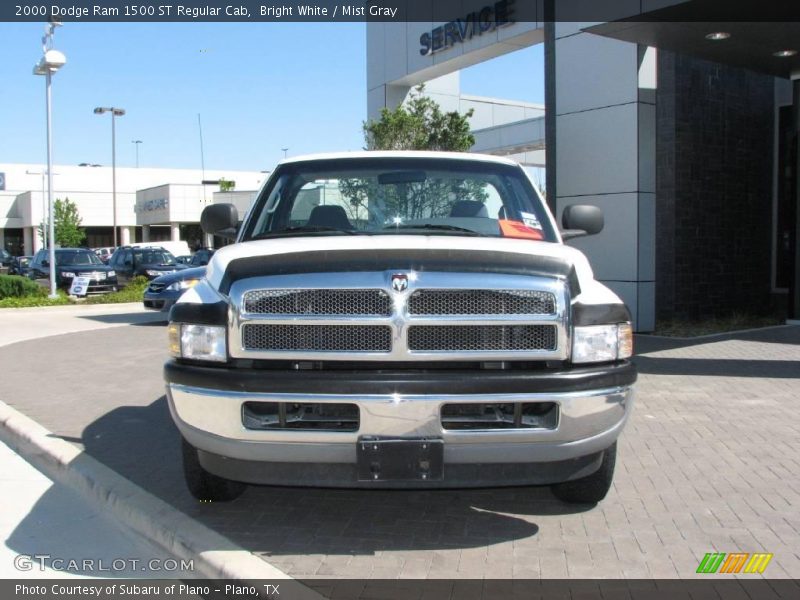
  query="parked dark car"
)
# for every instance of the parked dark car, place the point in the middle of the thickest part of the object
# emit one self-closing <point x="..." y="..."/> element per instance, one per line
<point x="150" y="262"/>
<point x="71" y="263"/>
<point x="202" y="257"/>
<point x="164" y="291"/>
<point x="20" y="265"/>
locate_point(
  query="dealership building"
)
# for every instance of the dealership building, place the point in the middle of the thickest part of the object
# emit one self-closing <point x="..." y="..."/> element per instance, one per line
<point x="151" y="204"/>
<point x="682" y="132"/>
<point x="685" y="133"/>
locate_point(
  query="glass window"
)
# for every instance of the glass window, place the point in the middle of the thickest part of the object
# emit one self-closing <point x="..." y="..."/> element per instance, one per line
<point x="76" y="258"/>
<point x="153" y="257"/>
<point x="385" y="196"/>
<point x="119" y="257"/>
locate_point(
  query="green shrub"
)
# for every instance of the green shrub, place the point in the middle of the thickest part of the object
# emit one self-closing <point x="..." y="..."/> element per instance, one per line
<point x="133" y="292"/>
<point x="14" y="286"/>
<point x="28" y="301"/>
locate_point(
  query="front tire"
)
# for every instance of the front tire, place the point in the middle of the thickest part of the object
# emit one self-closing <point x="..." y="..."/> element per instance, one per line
<point x="593" y="488"/>
<point x="206" y="486"/>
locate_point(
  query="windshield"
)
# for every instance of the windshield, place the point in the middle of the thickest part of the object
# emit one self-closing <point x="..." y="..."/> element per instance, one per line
<point x="77" y="258"/>
<point x="153" y="257"/>
<point x="386" y="196"/>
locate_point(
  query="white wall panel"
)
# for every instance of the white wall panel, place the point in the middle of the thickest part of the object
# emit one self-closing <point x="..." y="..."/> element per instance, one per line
<point x="596" y="151"/>
<point x="613" y="251"/>
<point x="593" y="71"/>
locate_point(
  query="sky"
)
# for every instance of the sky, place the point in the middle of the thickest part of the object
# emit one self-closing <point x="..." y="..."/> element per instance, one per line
<point x="258" y="88"/>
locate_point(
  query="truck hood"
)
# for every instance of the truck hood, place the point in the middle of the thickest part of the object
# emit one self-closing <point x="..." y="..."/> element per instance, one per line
<point x="385" y="252"/>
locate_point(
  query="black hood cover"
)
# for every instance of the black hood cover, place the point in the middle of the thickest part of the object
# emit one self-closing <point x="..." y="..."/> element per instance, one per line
<point x="455" y="261"/>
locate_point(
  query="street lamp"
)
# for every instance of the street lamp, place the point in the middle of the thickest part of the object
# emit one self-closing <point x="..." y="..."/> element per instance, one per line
<point x="51" y="61"/>
<point x="44" y="204"/>
<point x="137" y="142"/>
<point x="115" y="112"/>
<point x="285" y="150"/>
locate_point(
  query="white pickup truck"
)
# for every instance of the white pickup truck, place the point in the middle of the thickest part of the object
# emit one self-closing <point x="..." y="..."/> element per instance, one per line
<point x="400" y="320"/>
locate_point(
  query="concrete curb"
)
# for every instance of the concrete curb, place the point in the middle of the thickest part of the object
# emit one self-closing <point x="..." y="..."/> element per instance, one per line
<point x="215" y="556"/>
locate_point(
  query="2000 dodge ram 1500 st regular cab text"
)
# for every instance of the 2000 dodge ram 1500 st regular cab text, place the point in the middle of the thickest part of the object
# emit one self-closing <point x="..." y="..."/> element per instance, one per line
<point x="400" y="320"/>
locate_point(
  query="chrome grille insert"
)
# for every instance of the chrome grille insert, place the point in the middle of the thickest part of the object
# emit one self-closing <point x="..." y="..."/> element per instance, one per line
<point x="156" y="287"/>
<point x="359" y="316"/>
<point x="481" y="302"/>
<point x="317" y="338"/>
<point x="318" y="302"/>
<point x="476" y="338"/>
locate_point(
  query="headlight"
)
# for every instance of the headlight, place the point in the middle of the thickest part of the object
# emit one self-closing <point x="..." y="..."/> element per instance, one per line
<point x="182" y="285"/>
<point x="198" y="342"/>
<point x="111" y="274"/>
<point x="67" y="274"/>
<point x="153" y="273"/>
<point x="602" y="343"/>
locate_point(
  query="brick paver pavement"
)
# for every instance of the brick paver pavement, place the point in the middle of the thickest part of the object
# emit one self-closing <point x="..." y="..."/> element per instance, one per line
<point x="709" y="462"/>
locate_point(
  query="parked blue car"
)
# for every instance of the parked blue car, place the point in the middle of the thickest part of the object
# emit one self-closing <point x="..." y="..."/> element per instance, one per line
<point x="164" y="291"/>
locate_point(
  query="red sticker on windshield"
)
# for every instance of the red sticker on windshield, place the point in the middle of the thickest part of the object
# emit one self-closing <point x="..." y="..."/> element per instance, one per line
<point x="518" y="229"/>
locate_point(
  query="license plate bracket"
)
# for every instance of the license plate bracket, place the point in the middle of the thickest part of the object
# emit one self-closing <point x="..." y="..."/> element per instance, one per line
<point x="400" y="459"/>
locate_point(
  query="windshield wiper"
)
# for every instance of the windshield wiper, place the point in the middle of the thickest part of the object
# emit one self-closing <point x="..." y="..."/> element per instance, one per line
<point x="436" y="226"/>
<point x="303" y="229"/>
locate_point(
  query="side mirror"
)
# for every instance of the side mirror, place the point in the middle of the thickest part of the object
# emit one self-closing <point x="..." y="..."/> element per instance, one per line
<point x="220" y="219"/>
<point x="581" y="219"/>
<point x="45" y="263"/>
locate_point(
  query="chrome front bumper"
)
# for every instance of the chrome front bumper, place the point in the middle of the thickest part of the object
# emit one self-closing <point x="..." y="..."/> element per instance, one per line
<point x="211" y="420"/>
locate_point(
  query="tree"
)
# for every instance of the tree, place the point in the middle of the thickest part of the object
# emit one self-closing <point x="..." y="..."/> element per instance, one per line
<point x="68" y="222"/>
<point x="419" y="124"/>
<point x="226" y="185"/>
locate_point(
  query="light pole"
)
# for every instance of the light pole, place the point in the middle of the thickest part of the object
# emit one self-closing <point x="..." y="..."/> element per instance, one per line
<point x="115" y="112"/>
<point x="137" y="142"/>
<point x="51" y="61"/>
<point x="44" y="204"/>
<point x="285" y="150"/>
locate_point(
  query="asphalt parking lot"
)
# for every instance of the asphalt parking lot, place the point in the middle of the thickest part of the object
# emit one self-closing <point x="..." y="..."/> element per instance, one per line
<point x="709" y="462"/>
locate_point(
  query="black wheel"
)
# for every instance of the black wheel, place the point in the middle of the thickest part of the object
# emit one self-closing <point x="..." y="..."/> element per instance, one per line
<point x="593" y="488"/>
<point x="206" y="486"/>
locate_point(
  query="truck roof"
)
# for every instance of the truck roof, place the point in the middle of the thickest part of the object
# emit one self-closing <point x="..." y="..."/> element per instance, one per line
<point x="465" y="156"/>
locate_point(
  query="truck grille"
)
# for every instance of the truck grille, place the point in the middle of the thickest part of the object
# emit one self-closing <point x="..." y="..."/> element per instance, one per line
<point x="481" y="302"/>
<point x="318" y="302"/>
<point x="436" y="316"/>
<point x="317" y="338"/>
<point x="155" y="287"/>
<point x="471" y="338"/>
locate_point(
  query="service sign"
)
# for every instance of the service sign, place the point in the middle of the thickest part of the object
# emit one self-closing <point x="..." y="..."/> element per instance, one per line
<point x="458" y="31"/>
<point x="79" y="287"/>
